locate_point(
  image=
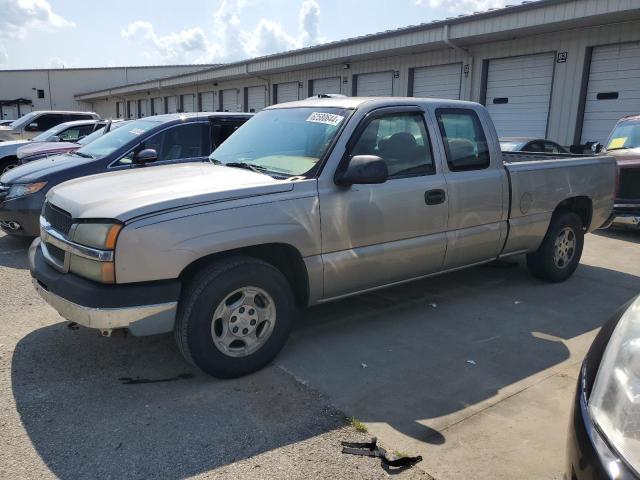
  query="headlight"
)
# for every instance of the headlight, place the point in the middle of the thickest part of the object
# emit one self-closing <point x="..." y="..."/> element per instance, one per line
<point x="22" y="189"/>
<point x="97" y="235"/>
<point x="102" y="236"/>
<point x="615" y="399"/>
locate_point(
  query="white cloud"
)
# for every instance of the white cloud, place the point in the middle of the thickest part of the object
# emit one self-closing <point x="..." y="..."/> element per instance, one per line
<point x="229" y="40"/>
<point x="268" y="37"/>
<point x="309" y="23"/>
<point x="464" y="6"/>
<point x="56" y="62"/>
<point x="18" y="16"/>
<point x="4" y="57"/>
<point x="174" y="47"/>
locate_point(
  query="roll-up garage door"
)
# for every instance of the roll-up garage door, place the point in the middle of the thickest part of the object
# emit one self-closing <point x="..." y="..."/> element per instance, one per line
<point x="172" y="104"/>
<point x="439" y="81"/>
<point x="143" y="107"/>
<point x="256" y="98"/>
<point x="207" y="102"/>
<point x="132" y="109"/>
<point x="120" y="113"/>
<point x="613" y="90"/>
<point x="287" y="92"/>
<point x="157" y="106"/>
<point x="230" y="101"/>
<point x="189" y="102"/>
<point x="326" y="85"/>
<point x="374" y="84"/>
<point x="518" y="94"/>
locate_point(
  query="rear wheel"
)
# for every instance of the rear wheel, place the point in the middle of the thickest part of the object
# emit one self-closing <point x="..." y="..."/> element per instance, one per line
<point x="234" y="317"/>
<point x="560" y="251"/>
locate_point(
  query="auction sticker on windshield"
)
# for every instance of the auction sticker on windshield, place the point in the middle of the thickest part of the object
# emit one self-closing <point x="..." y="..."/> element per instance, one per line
<point x="326" y="118"/>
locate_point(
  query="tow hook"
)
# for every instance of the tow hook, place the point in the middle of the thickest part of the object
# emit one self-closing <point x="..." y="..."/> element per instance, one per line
<point x="106" y="333"/>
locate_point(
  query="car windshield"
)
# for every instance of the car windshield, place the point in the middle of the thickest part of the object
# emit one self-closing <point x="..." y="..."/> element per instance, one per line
<point x="24" y="120"/>
<point x="44" y="136"/>
<point x="112" y="141"/>
<point x="99" y="132"/>
<point x="283" y="142"/>
<point x="626" y="135"/>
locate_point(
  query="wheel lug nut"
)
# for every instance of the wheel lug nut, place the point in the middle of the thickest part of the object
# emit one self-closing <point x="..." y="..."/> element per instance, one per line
<point x="233" y="319"/>
<point x="253" y="322"/>
<point x="252" y="311"/>
<point x="241" y="309"/>
<point x="235" y="329"/>
<point x="245" y="331"/>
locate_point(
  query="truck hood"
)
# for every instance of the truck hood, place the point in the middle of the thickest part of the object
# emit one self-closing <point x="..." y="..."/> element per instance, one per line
<point x="39" y="169"/>
<point x="626" y="158"/>
<point x="128" y="194"/>
<point x="33" y="148"/>
<point x="7" y="133"/>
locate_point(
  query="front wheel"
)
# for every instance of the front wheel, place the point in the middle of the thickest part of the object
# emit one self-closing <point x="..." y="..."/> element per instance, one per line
<point x="559" y="254"/>
<point x="234" y="317"/>
<point x="7" y="165"/>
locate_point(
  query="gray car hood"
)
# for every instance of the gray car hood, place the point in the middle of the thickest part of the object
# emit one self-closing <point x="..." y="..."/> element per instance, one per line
<point x="144" y="190"/>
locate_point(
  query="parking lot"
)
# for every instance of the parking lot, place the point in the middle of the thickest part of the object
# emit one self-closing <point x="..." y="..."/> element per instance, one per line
<point x="473" y="370"/>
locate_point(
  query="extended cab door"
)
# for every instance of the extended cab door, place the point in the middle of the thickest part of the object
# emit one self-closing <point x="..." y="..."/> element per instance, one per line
<point x="374" y="235"/>
<point x="477" y="187"/>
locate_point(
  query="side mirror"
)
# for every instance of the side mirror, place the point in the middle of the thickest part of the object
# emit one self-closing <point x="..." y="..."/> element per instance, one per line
<point x="145" y="156"/>
<point x="363" y="170"/>
<point x="32" y="127"/>
<point x="596" y="147"/>
<point x="54" y="138"/>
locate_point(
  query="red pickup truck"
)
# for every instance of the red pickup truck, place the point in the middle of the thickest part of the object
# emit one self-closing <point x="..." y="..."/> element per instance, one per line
<point x="624" y="145"/>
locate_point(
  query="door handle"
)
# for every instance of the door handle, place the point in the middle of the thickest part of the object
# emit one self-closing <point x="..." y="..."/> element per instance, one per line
<point x="434" y="197"/>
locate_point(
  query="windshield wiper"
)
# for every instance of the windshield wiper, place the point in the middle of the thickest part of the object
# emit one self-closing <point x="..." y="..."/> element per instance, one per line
<point x="83" y="155"/>
<point x="246" y="166"/>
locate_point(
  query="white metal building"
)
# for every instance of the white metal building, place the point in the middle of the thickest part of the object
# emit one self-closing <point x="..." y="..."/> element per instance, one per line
<point x="22" y="91"/>
<point x="560" y="69"/>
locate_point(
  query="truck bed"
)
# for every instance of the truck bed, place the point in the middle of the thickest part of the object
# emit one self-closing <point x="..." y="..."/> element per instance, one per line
<point x="517" y="157"/>
<point x="539" y="182"/>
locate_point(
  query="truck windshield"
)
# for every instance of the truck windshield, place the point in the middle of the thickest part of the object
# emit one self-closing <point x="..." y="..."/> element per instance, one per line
<point x="283" y="142"/>
<point x="24" y="120"/>
<point x="626" y="135"/>
<point x="112" y="141"/>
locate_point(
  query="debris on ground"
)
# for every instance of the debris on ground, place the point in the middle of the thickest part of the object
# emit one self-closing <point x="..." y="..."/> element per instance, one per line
<point x="471" y="362"/>
<point x="517" y="302"/>
<point x="364" y="365"/>
<point x="372" y="449"/>
<point x="433" y="305"/>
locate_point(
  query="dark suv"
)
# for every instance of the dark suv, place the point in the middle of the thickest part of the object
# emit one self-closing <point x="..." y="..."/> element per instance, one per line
<point x="158" y="140"/>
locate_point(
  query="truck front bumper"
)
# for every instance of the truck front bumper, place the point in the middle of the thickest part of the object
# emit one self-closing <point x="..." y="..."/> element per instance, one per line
<point x="142" y="308"/>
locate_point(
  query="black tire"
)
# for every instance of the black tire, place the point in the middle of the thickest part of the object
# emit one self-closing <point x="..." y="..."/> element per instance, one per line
<point x="8" y="164"/>
<point x="205" y="292"/>
<point x="542" y="263"/>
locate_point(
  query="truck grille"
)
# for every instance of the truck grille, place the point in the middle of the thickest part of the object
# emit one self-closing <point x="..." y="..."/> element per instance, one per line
<point x="629" y="184"/>
<point x="57" y="218"/>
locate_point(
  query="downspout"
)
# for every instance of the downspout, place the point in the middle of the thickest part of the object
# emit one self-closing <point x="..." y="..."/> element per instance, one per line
<point x="464" y="51"/>
<point x="246" y="71"/>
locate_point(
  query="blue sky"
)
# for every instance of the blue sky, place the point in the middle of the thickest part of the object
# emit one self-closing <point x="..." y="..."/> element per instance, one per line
<point x="81" y="33"/>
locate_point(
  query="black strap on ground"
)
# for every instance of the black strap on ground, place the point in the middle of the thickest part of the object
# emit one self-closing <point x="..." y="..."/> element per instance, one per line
<point x="371" y="449"/>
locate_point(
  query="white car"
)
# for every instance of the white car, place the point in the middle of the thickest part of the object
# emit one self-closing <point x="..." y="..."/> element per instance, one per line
<point x="33" y="123"/>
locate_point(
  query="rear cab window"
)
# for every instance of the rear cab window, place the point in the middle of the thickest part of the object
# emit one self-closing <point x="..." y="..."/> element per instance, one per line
<point x="464" y="139"/>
